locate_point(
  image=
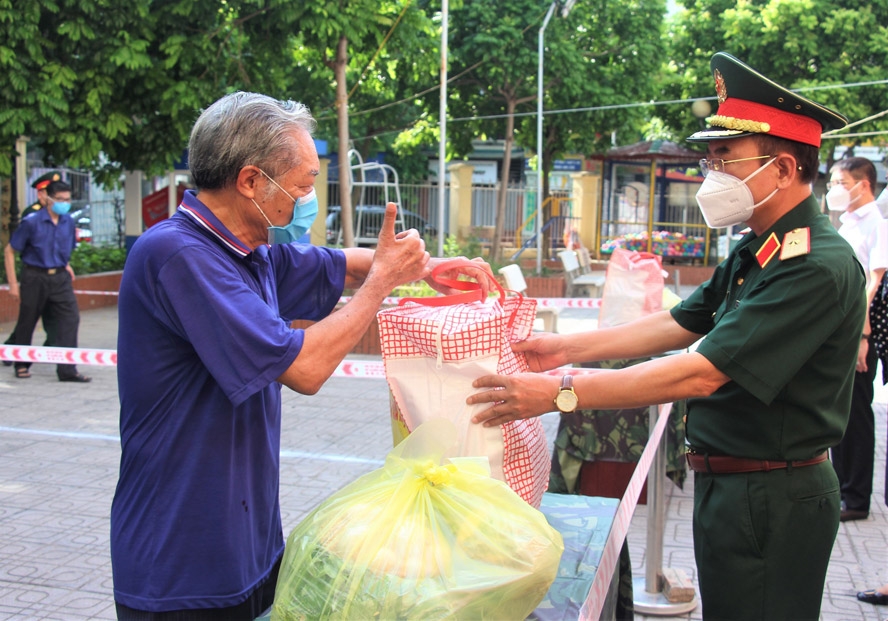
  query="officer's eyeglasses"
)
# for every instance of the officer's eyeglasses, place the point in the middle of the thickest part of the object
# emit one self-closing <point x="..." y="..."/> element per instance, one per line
<point x="709" y="164"/>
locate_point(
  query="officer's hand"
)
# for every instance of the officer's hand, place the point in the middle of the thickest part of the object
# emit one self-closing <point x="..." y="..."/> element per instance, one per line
<point x="14" y="291"/>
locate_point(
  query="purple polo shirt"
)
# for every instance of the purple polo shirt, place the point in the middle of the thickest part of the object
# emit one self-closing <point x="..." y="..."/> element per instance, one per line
<point x="203" y="335"/>
<point x="42" y="243"/>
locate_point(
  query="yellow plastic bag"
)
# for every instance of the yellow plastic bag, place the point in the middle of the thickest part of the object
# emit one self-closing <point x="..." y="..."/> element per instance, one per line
<point x="419" y="539"/>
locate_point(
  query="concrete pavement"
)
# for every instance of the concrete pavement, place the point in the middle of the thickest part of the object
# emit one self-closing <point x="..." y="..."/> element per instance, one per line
<point x="59" y="452"/>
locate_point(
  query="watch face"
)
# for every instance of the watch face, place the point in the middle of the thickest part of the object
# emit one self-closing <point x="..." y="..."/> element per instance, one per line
<point x="566" y="401"/>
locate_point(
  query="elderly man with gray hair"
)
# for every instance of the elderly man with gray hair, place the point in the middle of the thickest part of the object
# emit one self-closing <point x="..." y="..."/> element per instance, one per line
<point x="205" y="343"/>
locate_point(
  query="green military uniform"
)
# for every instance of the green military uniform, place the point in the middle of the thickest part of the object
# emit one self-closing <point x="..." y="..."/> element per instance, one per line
<point x="35" y="206"/>
<point x="783" y="317"/>
<point x="787" y="334"/>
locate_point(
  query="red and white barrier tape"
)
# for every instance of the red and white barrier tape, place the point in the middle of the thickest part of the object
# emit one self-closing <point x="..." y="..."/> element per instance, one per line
<point x="58" y="355"/>
<point x="77" y="291"/>
<point x="376" y="369"/>
<point x="391" y="301"/>
<point x="594" y="603"/>
<point x="108" y="357"/>
<point x="81" y="292"/>
<point x="541" y="302"/>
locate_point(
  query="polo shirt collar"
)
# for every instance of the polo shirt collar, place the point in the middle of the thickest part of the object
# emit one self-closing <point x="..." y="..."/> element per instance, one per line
<point x="201" y="215"/>
<point x="800" y="216"/>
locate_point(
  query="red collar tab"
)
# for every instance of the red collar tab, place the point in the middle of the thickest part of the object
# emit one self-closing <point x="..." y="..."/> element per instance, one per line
<point x="767" y="251"/>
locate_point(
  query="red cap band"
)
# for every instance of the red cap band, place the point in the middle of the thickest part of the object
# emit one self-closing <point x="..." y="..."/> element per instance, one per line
<point x="783" y="124"/>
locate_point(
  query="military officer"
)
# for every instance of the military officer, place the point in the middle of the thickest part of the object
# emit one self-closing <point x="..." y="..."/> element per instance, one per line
<point x="40" y="184"/>
<point x="769" y="385"/>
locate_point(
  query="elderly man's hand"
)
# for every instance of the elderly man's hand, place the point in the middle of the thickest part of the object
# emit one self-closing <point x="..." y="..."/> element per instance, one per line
<point x="399" y="258"/>
<point x="476" y="269"/>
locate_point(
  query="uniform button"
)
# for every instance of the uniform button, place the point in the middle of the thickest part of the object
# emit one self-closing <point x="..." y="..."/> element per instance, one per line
<point x="739" y="281"/>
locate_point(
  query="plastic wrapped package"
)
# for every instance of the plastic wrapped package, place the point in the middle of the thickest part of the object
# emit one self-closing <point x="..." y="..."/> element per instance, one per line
<point x="422" y="537"/>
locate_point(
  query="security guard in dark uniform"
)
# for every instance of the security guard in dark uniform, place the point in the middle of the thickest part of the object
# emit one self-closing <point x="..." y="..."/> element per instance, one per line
<point x="768" y="386"/>
<point x="40" y="184"/>
<point x="45" y="240"/>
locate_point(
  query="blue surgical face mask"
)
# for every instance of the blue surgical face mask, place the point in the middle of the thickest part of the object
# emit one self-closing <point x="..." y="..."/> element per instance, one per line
<point x="61" y="208"/>
<point x="305" y="210"/>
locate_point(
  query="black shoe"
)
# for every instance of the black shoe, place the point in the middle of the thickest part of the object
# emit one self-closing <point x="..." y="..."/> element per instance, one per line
<point x="76" y="378"/>
<point x="873" y="597"/>
<point x="849" y="515"/>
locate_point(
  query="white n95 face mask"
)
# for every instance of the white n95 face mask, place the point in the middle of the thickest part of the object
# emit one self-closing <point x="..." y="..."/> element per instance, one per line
<point x="838" y="198"/>
<point x="725" y="200"/>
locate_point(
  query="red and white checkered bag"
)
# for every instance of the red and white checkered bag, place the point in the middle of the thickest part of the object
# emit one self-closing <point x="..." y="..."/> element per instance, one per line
<point x="434" y="348"/>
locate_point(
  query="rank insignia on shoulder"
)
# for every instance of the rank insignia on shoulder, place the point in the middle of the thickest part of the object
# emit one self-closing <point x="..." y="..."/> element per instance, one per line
<point x="796" y="243"/>
<point x="767" y="251"/>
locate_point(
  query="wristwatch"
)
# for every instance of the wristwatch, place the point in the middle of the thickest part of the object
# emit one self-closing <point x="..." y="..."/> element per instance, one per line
<point x="566" y="400"/>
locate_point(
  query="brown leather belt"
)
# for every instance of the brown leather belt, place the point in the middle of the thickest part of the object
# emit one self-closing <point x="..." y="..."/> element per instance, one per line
<point x="723" y="464"/>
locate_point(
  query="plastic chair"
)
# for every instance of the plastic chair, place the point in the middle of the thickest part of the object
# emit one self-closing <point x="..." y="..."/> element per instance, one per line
<point x="577" y="283"/>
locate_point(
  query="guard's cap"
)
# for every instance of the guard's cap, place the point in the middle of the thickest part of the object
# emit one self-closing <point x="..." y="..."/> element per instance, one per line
<point x="45" y="179"/>
<point x="750" y="103"/>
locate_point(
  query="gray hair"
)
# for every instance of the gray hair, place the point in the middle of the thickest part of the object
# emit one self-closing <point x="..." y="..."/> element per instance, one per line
<point x="244" y="129"/>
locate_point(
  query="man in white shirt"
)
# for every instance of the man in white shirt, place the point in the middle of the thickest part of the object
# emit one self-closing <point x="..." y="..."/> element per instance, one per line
<point x="852" y="183"/>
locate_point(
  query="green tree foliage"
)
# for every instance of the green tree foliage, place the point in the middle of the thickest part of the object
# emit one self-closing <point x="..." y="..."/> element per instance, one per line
<point x="110" y="85"/>
<point x="374" y="49"/>
<point x="809" y="45"/>
<point x="494" y="50"/>
<point x="602" y="55"/>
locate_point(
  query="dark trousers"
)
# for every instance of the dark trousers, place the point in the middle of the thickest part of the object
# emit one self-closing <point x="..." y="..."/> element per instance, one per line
<point x="49" y="326"/>
<point x="259" y="601"/>
<point x="762" y="541"/>
<point x="853" y="457"/>
<point x="42" y="293"/>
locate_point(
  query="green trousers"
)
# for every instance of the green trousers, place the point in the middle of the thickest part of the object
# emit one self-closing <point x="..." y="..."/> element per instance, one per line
<point x="762" y="541"/>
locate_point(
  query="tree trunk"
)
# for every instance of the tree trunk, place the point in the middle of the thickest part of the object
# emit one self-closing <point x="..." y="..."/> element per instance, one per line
<point x="346" y="220"/>
<point x="504" y="182"/>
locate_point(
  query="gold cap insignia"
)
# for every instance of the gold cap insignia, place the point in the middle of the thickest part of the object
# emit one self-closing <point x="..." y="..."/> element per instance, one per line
<point x="721" y="89"/>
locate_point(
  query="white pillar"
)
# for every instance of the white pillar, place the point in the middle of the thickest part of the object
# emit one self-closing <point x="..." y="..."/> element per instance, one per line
<point x="132" y="201"/>
<point x="21" y="173"/>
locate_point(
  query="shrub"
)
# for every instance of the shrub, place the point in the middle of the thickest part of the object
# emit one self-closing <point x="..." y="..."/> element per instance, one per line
<point x="89" y="259"/>
<point x="86" y="259"/>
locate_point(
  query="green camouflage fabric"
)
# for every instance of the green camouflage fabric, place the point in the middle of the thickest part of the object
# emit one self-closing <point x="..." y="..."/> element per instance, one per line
<point x="584" y="523"/>
<point x="613" y="435"/>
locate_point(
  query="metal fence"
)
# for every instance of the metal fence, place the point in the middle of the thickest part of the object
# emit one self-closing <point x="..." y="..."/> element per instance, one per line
<point x="666" y="222"/>
<point x="422" y="199"/>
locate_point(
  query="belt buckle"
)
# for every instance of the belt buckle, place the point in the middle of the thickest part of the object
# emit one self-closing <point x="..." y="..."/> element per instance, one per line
<point x="51" y="271"/>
